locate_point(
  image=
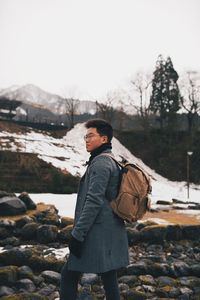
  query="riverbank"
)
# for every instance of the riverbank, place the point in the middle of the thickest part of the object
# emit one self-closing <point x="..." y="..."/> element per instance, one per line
<point x="163" y="249"/>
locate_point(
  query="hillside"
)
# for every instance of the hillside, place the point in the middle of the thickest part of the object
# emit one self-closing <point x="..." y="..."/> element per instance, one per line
<point x="66" y="154"/>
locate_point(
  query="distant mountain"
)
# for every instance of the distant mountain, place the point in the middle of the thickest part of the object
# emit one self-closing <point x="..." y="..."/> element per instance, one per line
<point x="33" y="95"/>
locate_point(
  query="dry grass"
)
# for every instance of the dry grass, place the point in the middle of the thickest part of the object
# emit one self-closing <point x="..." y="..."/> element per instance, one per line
<point x="174" y="217"/>
<point x="40" y="207"/>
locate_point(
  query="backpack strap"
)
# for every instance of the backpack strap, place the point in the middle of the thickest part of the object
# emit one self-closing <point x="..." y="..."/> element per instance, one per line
<point x="135" y="165"/>
<point x="111" y="155"/>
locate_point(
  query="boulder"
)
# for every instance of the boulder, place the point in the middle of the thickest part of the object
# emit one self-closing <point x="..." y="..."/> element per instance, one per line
<point x="4" y="194"/>
<point x="25" y="285"/>
<point x="24" y="220"/>
<point x="51" y="277"/>
<point x="5" y="291"/>
<point x="28" y="232"/>
<point x="47" y="234"/>
<point x="65" y="234"/>
<point x="8" y="275"/>
<point x="11" y="205"/>
<point x="65" y="221"/>
<point x="24" y="196"/>
<point x="154" y="233"/>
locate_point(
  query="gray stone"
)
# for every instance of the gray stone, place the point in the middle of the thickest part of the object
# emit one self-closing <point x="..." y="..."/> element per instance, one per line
<point x="6" y="223"/>
<point x="24" y="196"/>
<point x="26" y="285"/>
<point x="10" y="241"/>
<point x="163" y="202"/>
<point x="24" y="220"/>
<point x="137" y="269"/>
<point x="165" y="280"/>
<point x="28" y="232"/>
<point x="147" y="279"/>
<point x="51" y="276"/>
<point x="47" y="290"/>
<point x="47" y="234"/>
<point x="181" y="268"/>
<point x="195" y="269"/>
<point x="5" y="291"/>
<point x="89" y="278"/>
<point x="25" y="272"/>
<point x="10" y="206"/>
<point x="8" y="275"/>
<point x="128" y="279"/>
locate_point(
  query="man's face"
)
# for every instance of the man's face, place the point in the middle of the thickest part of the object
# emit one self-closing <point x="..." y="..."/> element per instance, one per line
<point x="93" y="139"/>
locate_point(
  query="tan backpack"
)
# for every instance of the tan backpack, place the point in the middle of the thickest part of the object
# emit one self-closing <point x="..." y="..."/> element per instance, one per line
<point x="133" y="200"/>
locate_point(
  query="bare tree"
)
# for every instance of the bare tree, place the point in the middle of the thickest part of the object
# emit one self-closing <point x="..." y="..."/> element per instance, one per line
<point x="190" y="99"/>
<point x="105" y="109"/>
<point x="71" y="107"/>
<point x="141" y="85"/>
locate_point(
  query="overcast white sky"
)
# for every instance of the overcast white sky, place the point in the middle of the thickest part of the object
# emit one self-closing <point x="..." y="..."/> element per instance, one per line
<point x="94" y="46"/>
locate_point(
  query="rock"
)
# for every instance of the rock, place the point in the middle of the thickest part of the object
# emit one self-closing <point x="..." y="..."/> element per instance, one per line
<point x="65" y="221"/>
<point x="8" y="275"/>
<point x="24" y="220"/>
<point x="25" y="272"/>
<point x="65" y="234"/>
<point x="147" y="279"/>
<point x="174" y="232"/>
<point x="186" y="291"/>
<point x="89" y="279"/>
<point x="51" y="219"/>
<point x="177" y="201"/>
<point x="163" y="202"/>
<point x="29" y="231"/>
<point x="5" y="291"/>
<point x="10" y="241"/>
<point x="6" y="223"/>
<point x="128" y="279"/>
<point x="51" y="277"/>
<point x="47" y="290"/>
<point x="25" y="285"/>
<point x="24" y="296"/>
<point x="154" y="233"/>
<point x="195" y="269"/>
<point x="181" y="268"/>
<point x="15" y="256"/>
<point x="4" y="233"/>
<point x="46" y="234"/>
<point x="24" y="196"/>
<point x="166" y="281"/>
<point x="135" y="295"/>
<point x="196" y="206"/>
<point x="191" y="232"/>
<point x="11" y="206"/>
<point x="137" y="269"/>
<point x="5" y="194"/>
<point x="42" y="215"/>
<point x="133" y="236"/>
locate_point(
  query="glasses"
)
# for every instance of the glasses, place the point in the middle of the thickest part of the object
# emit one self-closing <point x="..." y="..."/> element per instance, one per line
<point x="90" y="136"/>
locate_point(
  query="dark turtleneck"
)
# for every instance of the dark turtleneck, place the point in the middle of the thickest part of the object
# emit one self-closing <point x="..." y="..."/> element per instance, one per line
<point x="98" y="151"/>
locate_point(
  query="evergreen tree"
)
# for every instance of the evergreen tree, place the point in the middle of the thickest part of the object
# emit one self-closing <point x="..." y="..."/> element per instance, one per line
<point x="165" y="97"/>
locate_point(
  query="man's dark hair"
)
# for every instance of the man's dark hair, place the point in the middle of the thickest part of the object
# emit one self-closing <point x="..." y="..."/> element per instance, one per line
<point x="102" y="127"/>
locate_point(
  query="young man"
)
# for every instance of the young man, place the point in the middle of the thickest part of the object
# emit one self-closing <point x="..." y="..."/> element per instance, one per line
<point x="99" y="242"/>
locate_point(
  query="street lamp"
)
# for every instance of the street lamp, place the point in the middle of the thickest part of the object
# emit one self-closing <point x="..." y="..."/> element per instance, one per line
<point x="189" y="153"/>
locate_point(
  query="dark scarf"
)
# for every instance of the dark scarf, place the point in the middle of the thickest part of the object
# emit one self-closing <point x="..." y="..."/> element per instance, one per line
<point x="98" y="151"/>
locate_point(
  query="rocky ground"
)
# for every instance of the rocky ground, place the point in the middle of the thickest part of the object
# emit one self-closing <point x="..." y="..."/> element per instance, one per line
<point x="164" y="259"/>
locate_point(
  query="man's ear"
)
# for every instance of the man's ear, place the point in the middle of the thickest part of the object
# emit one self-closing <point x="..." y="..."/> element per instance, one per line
<point x="105" y="139"/>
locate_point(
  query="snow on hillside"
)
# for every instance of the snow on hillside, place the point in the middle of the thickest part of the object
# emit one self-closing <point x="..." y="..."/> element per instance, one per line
<point x="69" y="154"/>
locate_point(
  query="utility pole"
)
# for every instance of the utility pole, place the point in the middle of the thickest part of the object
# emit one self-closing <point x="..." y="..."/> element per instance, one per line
<point x="189" y="153"/>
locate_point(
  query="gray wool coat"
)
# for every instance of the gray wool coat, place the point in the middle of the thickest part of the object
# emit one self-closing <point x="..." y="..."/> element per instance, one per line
<point x="105" y="244"/>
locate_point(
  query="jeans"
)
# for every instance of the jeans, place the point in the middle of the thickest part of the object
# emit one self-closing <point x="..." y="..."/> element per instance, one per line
<point x="70" y="279"/>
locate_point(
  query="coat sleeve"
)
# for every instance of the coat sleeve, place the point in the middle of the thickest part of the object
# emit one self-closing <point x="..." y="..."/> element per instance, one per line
<point x="99" y="175"/>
